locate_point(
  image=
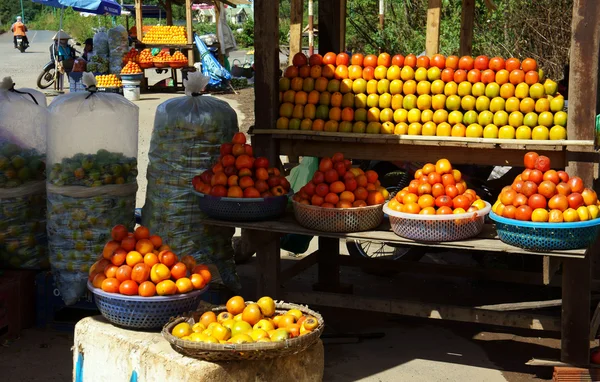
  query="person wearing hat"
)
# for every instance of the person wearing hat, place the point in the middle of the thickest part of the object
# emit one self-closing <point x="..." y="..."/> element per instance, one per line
<point x="19" y="29"/>
<point x="66" y="55"/>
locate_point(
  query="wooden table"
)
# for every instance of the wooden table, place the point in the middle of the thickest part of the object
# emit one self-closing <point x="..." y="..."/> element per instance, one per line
<point x="576" y="279"/>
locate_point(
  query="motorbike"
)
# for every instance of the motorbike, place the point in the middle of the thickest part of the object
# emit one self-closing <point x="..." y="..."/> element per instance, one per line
<point x="47" y="76"/>
<point x="22" y="44"/>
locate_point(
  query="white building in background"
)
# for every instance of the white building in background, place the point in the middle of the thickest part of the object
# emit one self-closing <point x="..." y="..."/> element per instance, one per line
<point x="236" y="16"/>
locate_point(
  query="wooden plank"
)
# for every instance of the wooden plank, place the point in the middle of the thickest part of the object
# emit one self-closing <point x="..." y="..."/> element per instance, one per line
<point x="189" y="29"/>
<point x="575" y="347"/>
<point x="332" y="26"/>
<point x="426" y="310"/>
<point x="299" y="267"/>
<point x="266" y="57"/>
<point x="550" y="266"/>
<point x="545" y="362"/>
<point x="514" y="306"/>
<point x="296" y="16"/>
<point x="138" y="20"/>
<point x="595" y="323"/>
<point x="486" y="241"/>
<point x="268" y="265"/>
<point x="432" y="39"/>
<point x="466" y="27"/>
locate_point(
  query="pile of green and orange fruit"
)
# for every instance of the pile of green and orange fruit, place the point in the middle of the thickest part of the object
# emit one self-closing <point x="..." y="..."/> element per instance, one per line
<point x="140" y="264"/>
<point x="441" y="96"/>
<point x="541" y="194"/>
<point x="244" y="322"/>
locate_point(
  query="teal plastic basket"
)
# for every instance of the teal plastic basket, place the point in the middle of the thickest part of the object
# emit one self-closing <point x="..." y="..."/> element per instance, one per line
<point x="546" y="237"/>
<point x="136" y="312"/>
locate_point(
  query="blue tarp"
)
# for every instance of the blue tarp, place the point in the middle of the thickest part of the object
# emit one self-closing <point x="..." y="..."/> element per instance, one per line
<point x="98" y="7"/>
<point x="210" y="66"/>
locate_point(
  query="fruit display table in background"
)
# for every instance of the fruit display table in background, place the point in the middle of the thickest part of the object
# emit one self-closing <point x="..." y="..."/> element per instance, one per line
<point x="98" y="344"/>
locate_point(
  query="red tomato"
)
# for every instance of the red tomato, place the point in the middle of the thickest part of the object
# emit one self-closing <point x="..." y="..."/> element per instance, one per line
<point x="537" y="201"/>
<point x="530" y="159"/>
<point x="542" y="163"/>
<point x="523" y="213"/>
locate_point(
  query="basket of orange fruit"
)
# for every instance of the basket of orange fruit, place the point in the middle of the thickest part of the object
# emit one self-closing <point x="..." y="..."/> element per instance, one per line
<point x="145" y="59"/>
<point x="140" y="283"/>
<point x="241" y="187"/>
<point x="437" y="206"/>
<point x="545" y="209"/>
<point x="178" y="60"/>
<point x="244" y="330"/>
<point x="162" y="59"/>
<point x="340" y="198"/>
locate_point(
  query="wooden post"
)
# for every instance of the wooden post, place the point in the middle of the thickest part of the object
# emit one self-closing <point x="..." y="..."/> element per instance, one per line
<point x="296" y="16"/>
<point x="328" y="258"/>
<point x="332" y="26"/>
<point x="381" y="22"/>
<point x="266" y="78"/>
<point x="268" y="265"/>
<point x="466" y="27"/>
<point x="583" y="82"/>
<point x="432" y="43"/>
<point x="138" y="19"/>
<point x="189" y="29"/>
<point x="169" y="12"/>
<point x="220" y="54"/>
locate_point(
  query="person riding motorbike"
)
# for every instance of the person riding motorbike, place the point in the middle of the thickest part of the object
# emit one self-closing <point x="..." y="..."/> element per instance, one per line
<point x="19" y="29"/>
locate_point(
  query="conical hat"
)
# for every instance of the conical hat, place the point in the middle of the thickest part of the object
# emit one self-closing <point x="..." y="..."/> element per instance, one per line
<point x="61" y="35"/>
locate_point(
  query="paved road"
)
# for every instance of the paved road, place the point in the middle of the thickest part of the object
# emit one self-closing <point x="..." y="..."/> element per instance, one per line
<point x="24" y="68"/>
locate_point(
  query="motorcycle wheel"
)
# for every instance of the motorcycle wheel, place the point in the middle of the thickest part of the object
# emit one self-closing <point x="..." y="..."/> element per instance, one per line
<point x="46" y="79"/>
<point x="376" y="250"/>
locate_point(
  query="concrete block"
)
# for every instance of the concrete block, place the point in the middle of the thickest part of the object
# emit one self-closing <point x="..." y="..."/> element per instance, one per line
<point x="112" y="354"/>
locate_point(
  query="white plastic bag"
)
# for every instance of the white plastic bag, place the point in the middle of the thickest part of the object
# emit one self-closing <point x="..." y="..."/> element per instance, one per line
<point x="92" y="171"/>
<point x="185" y="141"/>
<point x="22" y="163"/>
<point x="101" y="43"/>
<point x="118" y="46"/>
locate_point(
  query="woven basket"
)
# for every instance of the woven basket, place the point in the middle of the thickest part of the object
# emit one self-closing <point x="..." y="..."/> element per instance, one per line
<point x="355" y="219"/>
<point x="242" y="209"/>
<point x="242" y="352"/>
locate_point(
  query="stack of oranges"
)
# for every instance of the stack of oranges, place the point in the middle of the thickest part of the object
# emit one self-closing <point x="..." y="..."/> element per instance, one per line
<point x="132" y="55"/>
<point x="163" y="57"/>
<point x="166" y="35"/>
<point x="131" y="68"/>
<point x="437" y="189"/>
<point x="338" y="185"/>
<point x="178" y="57"/>
<point x="108" y="81"/>
<point x="138" y="263"/>
<point x="145" y="56"/>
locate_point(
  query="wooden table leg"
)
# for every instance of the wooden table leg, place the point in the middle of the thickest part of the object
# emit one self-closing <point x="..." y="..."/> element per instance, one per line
<point x="268" y="265"/>
<point x="329" y="267"/>
<point x="575" y="336"/>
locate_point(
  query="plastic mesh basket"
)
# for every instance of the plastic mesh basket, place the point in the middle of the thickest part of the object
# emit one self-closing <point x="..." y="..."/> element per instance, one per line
<point x="437" y="228"/>
<point x="338" y="219"/>
<point x="246" y="209"/>
<point x="545" y="237"/>
<point x="135" y="312"/>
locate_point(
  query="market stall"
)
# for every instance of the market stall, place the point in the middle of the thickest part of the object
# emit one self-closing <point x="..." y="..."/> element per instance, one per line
<point x="577" y="154"/>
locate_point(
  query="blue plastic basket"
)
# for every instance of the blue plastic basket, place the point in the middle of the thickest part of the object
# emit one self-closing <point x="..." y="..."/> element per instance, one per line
<point x="136" y="312"/>
<point x="546" y="237"/>
<point x="242" y="209"/>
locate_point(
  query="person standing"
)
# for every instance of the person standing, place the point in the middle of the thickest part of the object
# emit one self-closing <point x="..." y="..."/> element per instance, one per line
<point x="19" y="29"/>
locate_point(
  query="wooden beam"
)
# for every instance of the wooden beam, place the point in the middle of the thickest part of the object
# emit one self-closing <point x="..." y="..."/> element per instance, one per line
<point x="268" y="264"/>
<point x="432" y="42"/>
<point x="550" y="266"/>
<point x="138" y="20"/>
<point x="328" y="257"/>
<point x="332" y="26"/>
<point x="190" y="30"/>
<point x="428" y="310"/>
<point x="514" y="306"/>
<point x="296" y="17"/>
<point x="266" y="58"/>
<point x="169" y="11"/>
<point x="466" y="27"/>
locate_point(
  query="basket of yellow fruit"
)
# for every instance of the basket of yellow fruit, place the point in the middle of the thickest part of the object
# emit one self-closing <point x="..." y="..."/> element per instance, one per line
<point x="243" y="330"/>
<point x="178" y="60"/>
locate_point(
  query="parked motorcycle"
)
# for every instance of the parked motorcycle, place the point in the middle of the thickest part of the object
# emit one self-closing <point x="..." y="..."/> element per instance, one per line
<point x="46" y="78"/>
<point x="22" y="44"/>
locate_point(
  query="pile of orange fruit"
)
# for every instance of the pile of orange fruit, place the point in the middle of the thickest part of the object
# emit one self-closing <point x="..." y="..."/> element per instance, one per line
<point x="146" y="56"/>
<point x="163" y="56"/>
<point x="179" y="57"/>
<point x="108" y="81"/>
<point x="131" y="68"/>
<point x="339" y="185"/>
<point x="437" y="189"/>
<point x="138" y="263"/>
<point x="474" y="97"/>
<point x="238" y="174"/>
<point x="540" y="194"/>
<point x="244" y="322"/>
<point x="166" y="35"/>
<point x="132" y="55"/>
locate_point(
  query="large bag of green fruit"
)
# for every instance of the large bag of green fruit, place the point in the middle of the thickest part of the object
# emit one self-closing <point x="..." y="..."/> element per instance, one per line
<point x="22" y="188"/>
<point x="186" y="139"/>
<point x="91" y="181"/>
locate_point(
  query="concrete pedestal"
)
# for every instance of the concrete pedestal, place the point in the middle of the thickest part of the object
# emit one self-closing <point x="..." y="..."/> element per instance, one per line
<point x="113" y="354"/>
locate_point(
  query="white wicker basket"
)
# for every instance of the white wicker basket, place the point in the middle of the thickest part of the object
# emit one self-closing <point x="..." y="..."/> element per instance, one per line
<point x="338" y="219"/>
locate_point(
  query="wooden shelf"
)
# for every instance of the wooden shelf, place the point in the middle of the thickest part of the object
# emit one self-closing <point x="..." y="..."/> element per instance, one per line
<point x="170" y="46"/>
<point x="476" y="151"/>
<point x="486" y="241"/>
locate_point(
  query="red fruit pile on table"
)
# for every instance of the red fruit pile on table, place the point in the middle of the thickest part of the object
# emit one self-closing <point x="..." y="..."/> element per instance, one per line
<point x="239" y="175"/>
<point x="541" y="194"/>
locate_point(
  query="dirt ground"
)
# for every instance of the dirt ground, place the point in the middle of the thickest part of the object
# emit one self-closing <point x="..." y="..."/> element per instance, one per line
<point x="245" y="100"/>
